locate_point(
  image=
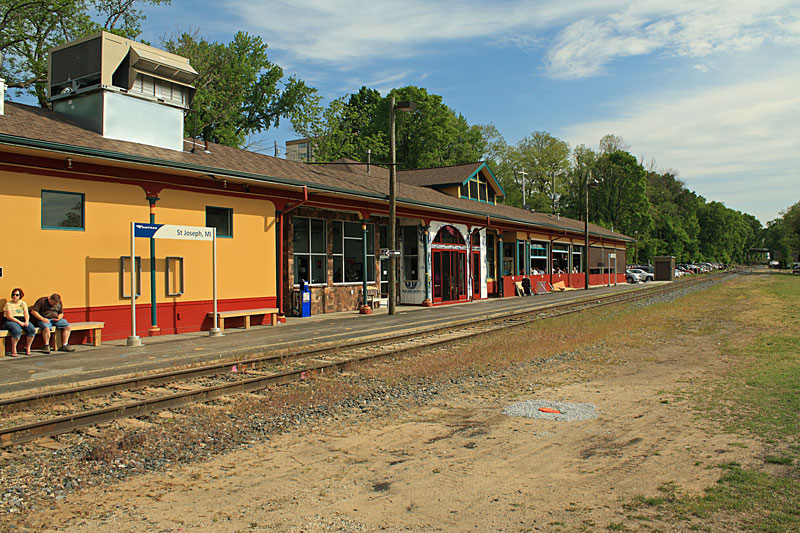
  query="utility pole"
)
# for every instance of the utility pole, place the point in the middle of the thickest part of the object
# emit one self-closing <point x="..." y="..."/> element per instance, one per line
<point x="523" y="174"/>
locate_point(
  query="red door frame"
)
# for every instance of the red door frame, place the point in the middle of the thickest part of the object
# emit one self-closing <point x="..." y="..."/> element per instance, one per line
<point x="475" y="267"/>
<point x="455" y="276"/>
<point x="456" y="271"/>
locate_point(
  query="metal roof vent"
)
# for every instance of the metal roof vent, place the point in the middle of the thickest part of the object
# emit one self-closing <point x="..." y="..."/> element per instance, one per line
<point x="122" y="89"/>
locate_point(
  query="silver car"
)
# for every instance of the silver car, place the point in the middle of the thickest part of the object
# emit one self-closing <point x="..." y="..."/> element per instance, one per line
<point x="638" y="274"/>
<point x="634" y="275"/>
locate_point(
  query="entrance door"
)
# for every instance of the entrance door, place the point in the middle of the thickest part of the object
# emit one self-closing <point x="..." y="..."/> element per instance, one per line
<point x="437" y="276"/>
<point x="449" y="276"/>
<point x="476" y="275"/>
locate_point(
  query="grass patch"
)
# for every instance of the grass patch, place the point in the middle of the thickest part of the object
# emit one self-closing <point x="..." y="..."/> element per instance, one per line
<point x="590" y="335"/>
<point x="778" y="460"/>
<point x="761" y="502"/>
<point x="760" y="397"/>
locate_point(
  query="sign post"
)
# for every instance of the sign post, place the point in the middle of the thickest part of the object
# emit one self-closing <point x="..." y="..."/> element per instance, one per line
<point x="610" y="257"/>
<point x="178" y="232"/>
<point x="134" y="339"/>
<point x="215" y="331"/>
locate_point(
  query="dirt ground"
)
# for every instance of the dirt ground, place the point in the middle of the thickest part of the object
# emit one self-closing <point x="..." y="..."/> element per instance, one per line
<point x="456" y="464"/>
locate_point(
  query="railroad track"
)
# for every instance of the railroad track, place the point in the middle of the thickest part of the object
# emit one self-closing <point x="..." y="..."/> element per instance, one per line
<point x="27" y="418"/>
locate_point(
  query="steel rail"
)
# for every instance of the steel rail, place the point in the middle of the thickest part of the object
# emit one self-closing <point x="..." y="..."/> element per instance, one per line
<point x="160" y="378"/>
<point x="27" y="432"/>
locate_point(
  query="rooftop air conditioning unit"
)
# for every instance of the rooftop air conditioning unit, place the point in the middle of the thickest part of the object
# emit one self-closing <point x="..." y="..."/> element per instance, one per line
<point x="122" y="89"/>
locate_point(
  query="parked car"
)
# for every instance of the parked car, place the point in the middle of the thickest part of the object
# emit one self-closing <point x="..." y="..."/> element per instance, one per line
<point x="796" y="268"/>
<point x="774" y="264"/>
<point x="635" y="275"/>
<point x="643" y="274"/>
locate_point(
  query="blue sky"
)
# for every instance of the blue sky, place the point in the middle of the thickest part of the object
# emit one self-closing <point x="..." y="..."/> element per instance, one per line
<point x="709" y="89"/>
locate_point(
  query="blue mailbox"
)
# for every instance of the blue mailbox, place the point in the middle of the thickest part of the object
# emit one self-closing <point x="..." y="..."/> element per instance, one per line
<point x="305" y="299"/>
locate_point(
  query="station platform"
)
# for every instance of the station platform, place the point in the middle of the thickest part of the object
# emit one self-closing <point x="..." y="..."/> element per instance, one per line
<point x="115" y="359"/>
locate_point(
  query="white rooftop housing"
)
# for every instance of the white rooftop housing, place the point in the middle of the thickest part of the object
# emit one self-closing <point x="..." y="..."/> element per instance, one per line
<point x="122" y="89"/>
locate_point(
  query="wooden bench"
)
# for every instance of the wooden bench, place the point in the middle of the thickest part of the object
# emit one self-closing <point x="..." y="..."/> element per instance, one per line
<point x="246" y="313"/>
<point x="94" y="327"/>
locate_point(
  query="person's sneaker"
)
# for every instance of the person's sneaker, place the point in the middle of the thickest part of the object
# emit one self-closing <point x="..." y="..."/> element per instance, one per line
<point x="67" y="348"/>
<point x="46" y="348"/>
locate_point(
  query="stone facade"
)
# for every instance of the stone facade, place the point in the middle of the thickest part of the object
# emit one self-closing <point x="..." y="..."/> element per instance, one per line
<point x="331" y="297"/>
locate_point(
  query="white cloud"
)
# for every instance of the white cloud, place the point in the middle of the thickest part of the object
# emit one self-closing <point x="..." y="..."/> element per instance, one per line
<point x="736" y="143"/>
<point x="348" y="31"/>
<point x="681" y="28"/>
<point x="590" y="34"/>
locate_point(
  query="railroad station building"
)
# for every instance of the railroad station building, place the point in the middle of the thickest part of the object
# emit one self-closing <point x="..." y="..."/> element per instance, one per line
<point x="112" y="152"/>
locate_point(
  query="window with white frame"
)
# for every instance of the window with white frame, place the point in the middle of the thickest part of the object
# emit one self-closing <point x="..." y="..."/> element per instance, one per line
<point x="539" y="257"/>
<point x="560" y="258"/>
<point x="410" y="253"/>
<point x="348" y="252"/>
<point x="577" y="258"/>
<point x="310" y="255"/>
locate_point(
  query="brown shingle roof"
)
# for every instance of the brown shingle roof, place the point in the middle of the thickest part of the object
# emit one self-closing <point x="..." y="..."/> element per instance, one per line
<point x="431" y="177"/>
<point x="56" y="132"/>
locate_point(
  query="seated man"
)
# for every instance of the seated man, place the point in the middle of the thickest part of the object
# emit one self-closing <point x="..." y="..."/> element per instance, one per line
<point x="47" y="313"/>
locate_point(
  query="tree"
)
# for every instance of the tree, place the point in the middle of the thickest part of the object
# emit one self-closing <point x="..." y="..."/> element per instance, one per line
<point x="782" y="235"/>
<point x="611" y="143"/>
<point x="675" y="228"/>
<point x="239" y="91"/>
<point x="546" y="160"/>
<point x="29" y="28"/>
<point x="620" y="199"/>
<point x="345" y="127"/>
<point x="433" y="135"/>
<point x="500" y="157"/>
<point x="581" y="172"/>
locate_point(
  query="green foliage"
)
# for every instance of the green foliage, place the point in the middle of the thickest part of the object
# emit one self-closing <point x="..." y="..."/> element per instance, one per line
<point x="654" y="208"/>
<point x="239" y="91"/>
<point x="782" y="235"/>
<point x="620" y="200"/>
<point x="545" y="159"/>
<point x="676" y="229"/>
<point x="29" y="28"/>
<point x="434" y="135"/>
<point x="346" y="128"/>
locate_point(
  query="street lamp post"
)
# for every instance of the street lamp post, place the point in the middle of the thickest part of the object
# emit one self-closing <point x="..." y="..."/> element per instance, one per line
<point x="405" y="105"/>
<point x="586" y="238"/>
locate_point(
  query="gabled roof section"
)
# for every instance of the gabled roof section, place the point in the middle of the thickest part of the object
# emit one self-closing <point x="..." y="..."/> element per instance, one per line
<point x="447" y="176"/>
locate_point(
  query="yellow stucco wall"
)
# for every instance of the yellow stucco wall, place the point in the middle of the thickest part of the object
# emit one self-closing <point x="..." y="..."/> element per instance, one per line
<point x="84" y="266"/>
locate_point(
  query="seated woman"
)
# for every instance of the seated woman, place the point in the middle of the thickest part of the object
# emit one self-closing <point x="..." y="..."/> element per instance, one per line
<point x="16" y="320"/>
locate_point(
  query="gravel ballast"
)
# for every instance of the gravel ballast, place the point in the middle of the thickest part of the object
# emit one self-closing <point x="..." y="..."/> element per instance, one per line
<point x="568" y="411"/>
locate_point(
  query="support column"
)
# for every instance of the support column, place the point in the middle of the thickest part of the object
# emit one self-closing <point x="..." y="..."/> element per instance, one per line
<point x="154" y="329"/>
<point x="499" y="253"/>
<point x="427" y="302"/>
<point x="365" y="309"/>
